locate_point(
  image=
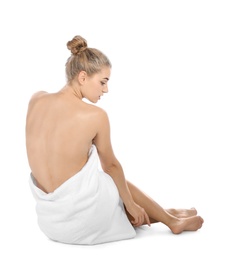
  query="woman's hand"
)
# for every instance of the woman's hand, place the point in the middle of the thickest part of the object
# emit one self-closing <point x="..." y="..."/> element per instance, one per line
<point x="139" y="215"/>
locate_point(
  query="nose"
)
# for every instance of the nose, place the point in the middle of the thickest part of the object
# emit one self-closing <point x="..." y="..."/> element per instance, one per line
<point x="105" y="89"/>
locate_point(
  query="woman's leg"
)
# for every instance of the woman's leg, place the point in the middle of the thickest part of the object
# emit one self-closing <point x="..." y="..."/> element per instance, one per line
<point x="176" y="220"/>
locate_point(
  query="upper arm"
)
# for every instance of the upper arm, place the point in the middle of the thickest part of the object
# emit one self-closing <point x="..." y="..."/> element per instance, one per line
<point x="102" y="141"/>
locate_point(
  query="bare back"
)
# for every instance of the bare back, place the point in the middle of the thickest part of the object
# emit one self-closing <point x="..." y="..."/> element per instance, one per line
<point x="59" y="133"/>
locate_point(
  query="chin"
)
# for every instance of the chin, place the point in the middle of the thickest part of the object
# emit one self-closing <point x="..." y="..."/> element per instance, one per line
<point x="94" y="101"/>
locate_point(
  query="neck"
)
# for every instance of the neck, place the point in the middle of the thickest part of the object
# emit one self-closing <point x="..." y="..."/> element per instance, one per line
<point x="72" y="90"/>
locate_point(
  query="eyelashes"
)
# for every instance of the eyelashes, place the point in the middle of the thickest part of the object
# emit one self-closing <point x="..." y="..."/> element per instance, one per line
<point x="103" y="83"/>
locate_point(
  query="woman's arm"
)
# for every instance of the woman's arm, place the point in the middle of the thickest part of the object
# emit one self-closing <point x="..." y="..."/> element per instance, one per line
<point x="111" y="166"/>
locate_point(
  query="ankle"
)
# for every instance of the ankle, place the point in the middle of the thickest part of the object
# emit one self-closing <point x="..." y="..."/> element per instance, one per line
<point x="175" y="226"/>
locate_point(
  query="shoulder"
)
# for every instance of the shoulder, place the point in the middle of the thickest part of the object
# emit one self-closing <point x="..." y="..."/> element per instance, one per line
<point x="96" y="116"/>
<point x="96" y="111"/>
<point x="38" y="94"/>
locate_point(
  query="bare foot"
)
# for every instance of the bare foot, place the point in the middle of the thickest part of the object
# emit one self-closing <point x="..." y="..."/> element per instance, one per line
<point x="187" y="224"/>
<point x="182" y="213"/>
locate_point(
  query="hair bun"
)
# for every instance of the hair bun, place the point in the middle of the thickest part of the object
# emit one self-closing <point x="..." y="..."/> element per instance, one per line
<point x="77" y="45"/>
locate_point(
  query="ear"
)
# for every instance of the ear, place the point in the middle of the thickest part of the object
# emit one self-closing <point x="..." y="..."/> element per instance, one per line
<point x="82" y="77"/>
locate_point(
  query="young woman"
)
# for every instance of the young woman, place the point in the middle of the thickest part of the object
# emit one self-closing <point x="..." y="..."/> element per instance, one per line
<point x="65" y="139"/>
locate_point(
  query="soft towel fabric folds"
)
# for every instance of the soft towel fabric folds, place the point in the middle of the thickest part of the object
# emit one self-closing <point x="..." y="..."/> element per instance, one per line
<point x="86" y="209"/>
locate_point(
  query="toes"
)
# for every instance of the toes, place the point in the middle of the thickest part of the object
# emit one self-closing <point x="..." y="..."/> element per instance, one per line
<point x="194" y="209"/>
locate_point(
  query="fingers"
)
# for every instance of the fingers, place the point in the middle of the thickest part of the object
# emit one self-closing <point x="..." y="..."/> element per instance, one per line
<point x="137" y="222"/>
<point x="147" y="219"/>
<point x="141" y="219"/>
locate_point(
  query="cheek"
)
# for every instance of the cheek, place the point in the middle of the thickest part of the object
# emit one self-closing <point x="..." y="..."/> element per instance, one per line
<point x="98" y="89"/>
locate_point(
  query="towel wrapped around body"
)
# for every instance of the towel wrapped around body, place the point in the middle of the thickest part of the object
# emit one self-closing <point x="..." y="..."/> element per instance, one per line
<point x="86" y="209"/>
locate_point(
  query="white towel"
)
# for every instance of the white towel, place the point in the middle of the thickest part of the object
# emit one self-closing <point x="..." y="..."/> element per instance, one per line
<point x="86" y="209"/>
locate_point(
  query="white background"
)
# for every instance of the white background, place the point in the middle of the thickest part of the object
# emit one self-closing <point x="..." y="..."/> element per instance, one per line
<point x="167" y="105"/>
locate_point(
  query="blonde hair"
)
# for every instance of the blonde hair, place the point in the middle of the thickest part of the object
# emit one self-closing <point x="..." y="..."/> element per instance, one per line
<point x="83" y="58"/>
